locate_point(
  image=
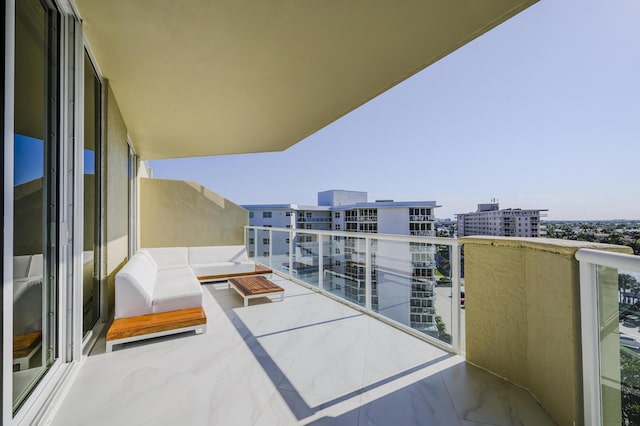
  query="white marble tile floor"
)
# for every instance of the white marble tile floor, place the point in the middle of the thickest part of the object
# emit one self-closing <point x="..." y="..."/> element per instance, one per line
<point x="308" y="360"/>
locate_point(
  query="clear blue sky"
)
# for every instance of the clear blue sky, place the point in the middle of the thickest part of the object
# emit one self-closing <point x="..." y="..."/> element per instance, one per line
<point x="541" y="112"/>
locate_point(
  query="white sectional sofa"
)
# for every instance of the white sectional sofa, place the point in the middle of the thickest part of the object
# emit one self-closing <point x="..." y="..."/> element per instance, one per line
<point x="144" y="286"/>
<point x="166" y="279"/>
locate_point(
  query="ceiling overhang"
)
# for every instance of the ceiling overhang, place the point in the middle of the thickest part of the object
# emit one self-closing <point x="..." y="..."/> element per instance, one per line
<point x="204" y="78"/>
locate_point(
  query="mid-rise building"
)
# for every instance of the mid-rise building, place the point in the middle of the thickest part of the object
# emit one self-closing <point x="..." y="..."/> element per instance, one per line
<point x="489" y="219"/>
<point x="410" y="265"/>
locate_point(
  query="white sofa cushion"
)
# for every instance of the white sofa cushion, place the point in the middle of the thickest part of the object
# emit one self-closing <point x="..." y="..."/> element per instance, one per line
<point x="36" y="266"/>
<point x="27" y="305"/>
<point x="21" y="266"/>
<point x="135" y="284"/>
<point x="169" y="257"/>
<point x="176" y="289"/>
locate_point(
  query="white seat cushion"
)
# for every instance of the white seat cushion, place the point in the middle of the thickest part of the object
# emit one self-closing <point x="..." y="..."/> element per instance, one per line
<point x="176" y="289"/>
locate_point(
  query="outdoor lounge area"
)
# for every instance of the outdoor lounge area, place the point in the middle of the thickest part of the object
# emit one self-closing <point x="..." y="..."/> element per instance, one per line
<point x="307" y="360"/>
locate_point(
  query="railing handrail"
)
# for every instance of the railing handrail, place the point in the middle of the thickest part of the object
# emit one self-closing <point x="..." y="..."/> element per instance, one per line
<point x="624" y="261"/>
<point x="383" y="237"/>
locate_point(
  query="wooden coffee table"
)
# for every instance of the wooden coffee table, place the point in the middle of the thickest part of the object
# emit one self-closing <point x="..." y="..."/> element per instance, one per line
<point x="255" y="286"/>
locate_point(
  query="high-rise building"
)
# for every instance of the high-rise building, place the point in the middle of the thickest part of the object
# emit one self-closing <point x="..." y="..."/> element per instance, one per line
<point x="345" y="258"/>
<point x="489" y="219"/>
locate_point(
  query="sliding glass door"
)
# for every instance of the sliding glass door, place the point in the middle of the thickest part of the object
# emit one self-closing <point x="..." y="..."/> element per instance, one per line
<point x="36" y="194"/>
<point x="91" y="294"/>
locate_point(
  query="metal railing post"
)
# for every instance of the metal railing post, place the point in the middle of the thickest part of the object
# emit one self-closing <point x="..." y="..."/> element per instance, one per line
<point x="455" y="298"/>
<point x="270" y="246"/>
<point x="290" y="253"/>
<point x="321" y="262"/>
<point x="590" y="344"/>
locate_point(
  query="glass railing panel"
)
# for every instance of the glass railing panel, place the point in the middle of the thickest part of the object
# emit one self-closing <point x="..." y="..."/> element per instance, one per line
<point x="405" y="287"/>
<point x="344" y="274"/>
<point x="262" y="246"/>
<point x="280" y="248"/>
<point x="619" y="319"/>
<point x="395" y="293"/>
<point x="305" y="258"/>
<point x="250" y="242"/>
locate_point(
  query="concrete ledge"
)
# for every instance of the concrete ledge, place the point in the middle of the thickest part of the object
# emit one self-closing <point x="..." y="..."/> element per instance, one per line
<point x="523" y="316"/>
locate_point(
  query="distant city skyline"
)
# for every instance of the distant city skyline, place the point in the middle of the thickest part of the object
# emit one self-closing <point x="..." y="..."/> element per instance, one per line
<point x="540" y="112"/>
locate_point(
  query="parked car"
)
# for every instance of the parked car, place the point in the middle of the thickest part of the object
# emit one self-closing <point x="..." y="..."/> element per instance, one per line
<point x="629" y="341"/>
<point x="632" y="321"/>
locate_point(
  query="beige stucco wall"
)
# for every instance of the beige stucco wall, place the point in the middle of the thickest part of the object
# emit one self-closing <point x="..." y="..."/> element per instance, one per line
<point x="115" y="154"/>
<point x="523" y="316"/>
<point x="177" y="213"/>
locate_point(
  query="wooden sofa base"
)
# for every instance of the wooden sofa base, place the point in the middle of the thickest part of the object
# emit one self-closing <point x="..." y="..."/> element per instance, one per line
<point x="260" y="270"/>
<point x="125" y="330"/>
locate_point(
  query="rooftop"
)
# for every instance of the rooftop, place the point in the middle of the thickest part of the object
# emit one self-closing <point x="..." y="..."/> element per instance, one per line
<point x="307" y="360"/>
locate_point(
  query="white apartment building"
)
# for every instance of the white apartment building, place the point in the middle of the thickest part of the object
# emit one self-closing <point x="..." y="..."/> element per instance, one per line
<point x="489" y="219"/>
<point x="395" y="279"/>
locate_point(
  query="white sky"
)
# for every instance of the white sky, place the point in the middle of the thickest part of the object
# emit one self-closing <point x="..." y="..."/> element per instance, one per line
<point x="541" y="112"/>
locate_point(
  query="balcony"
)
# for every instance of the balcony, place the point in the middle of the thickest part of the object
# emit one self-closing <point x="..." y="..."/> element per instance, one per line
<point x="314" y="219"/>
<point x="421" y="218"/>
<point x="429" y="233"/>
<point x="307" y="360"/>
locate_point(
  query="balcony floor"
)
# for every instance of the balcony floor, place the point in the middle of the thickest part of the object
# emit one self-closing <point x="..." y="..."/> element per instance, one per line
<point x="307" y="360"/>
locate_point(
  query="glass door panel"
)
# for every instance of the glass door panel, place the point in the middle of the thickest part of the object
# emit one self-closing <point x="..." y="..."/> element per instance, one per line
<point x="36" y="184"/>
<point x="91" y="157"/>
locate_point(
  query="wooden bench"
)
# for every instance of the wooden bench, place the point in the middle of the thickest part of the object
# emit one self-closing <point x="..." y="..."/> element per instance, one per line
<point x="24" y="347"/>
<point x="124" y="330"/>
<point x="260" y="270"/>
<point x="256" y="286"/>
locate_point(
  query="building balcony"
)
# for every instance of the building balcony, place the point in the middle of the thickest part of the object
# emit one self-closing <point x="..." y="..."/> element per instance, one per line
<point x="429" y="233"/>
<point x="314" y="219"/>
<point x="307" y="360"/>
<point x="421" y="218"/>
<point x="353" y="350"/>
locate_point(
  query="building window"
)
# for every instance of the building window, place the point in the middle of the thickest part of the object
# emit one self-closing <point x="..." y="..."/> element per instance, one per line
<point x="250" y="254"/>
<point x="265" y="253"/>
<point x="287" y="241"/>
<point x="336" y="215"/>
<point x="288" y="226"/>
<point x="337" y="251"/>
<point x="308" y="214"/>
<point x="288" y="213"/>
<point x="250" y="215"/>
<point x="266" y="215"/>
<point x="337" y="227"/>
<point x="251" y="240"/>
<point x="265" y="241"/>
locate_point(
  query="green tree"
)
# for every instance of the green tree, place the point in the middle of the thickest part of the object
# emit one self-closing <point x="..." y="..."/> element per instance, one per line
<point x="626" y="283"/>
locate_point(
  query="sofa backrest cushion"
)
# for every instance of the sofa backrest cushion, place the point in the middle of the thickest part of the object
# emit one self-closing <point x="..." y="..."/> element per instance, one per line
<point x="36" y="266"/>
<point x="169" y="256"/>
<point x="21" y="266"/>
<point x="212" y="254"/>
<point x="145" y="252"/>
<point x="135" y="284"/>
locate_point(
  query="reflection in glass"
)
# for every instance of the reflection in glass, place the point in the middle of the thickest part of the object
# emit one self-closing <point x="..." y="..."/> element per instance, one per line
<point x="619" y="306"/>
<point x="35" y="194"/>
<point x="91" y="152"/>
